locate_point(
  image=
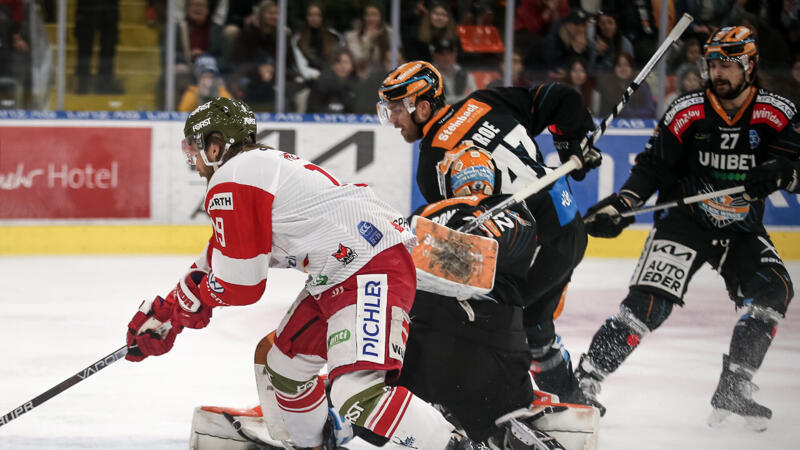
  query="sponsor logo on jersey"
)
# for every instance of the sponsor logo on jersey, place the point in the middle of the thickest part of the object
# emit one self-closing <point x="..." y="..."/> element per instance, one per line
<point x="454" y="129"/>
<point x="215" y="285"/>
<point x="338" y="337"/>
<point x="400" y="224"/>
<point x="371" y="317"/>
<point x="305" y="261"/>
<point x="443" y="218"/>
<point x="369" y="232"/>
<point x="398" y="335"/>
<point x="289" y="156"/>
<point x="724" y="210"/>
<point x="694" y="99"/>
<point x="733" y="161"/>
<point x="222" y="200"/>
<point x="345" y="255"/>
<point x="354" y="413"/>
<point x="664" y="265"/>
<point x="767" y="114"/>
<point x="320" y="280"/>
<point x="778" y="102"/>
<point x="684" y="118"/>
<point x="754" y="139"/>
<point x="291" y="261"/>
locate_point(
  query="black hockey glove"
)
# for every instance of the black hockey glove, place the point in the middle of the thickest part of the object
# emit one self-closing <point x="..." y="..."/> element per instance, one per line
<point x="589" y="161"/>
<point x="604" y="219"/>
<point x="766" y="178"/>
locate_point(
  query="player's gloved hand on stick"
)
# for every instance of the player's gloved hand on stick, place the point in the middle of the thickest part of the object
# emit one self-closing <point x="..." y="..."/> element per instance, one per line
<point x="590" y="160"/>
<point x="190" y="311"/>
<point x="604" y="219"/>
<point x="151" y="331"/>
<point x="770" y="176"/>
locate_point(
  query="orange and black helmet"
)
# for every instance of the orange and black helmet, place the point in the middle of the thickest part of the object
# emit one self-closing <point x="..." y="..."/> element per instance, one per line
<point x="732" y="44"/>
<point x="466" y="170"/>
<point x="412" y="81"/>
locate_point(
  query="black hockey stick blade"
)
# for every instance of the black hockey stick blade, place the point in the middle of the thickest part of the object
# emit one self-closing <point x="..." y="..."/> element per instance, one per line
<point x="64" y="385"/>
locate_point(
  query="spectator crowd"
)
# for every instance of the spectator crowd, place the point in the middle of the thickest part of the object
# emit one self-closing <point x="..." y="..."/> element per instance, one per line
<point x="337" y="51"/>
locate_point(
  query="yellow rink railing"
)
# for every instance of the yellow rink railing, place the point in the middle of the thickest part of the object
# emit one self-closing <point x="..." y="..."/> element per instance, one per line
<point x="191" y="239"/>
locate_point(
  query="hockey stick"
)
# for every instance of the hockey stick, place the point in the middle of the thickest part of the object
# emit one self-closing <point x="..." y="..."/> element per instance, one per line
<point x="684" y="201"/>
<point x="574" y="163"/>
<point x="66" y="384"/>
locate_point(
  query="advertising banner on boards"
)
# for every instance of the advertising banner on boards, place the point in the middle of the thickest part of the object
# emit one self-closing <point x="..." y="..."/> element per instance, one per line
<point x="53" y="172"/>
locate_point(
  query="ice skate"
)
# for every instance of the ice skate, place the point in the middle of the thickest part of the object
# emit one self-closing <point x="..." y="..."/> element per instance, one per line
<point x="589" y="379"/>
<point x="734" y="396"/>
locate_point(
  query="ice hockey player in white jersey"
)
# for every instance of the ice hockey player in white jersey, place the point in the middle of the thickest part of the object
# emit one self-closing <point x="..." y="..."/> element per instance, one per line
<point x="273" y="209"/>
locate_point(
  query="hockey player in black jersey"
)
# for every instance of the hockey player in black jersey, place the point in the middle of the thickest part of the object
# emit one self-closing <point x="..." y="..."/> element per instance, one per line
<point x="503" y="121"/>
<point x="471" y="356"/>
<point x="733" y="132"/>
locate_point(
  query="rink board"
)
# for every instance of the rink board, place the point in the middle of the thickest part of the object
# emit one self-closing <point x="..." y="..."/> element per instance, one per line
<point x="115" y="183"/>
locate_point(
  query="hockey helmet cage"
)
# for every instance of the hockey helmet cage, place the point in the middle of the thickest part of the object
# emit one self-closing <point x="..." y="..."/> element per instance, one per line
<point x="407" y="83"/>
<point x="731" y="44"/>
<point x="232" y="119"/>
<point x="466" y="170"/>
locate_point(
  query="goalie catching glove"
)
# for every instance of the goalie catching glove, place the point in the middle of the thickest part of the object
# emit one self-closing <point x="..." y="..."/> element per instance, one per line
<point x="154" y="327"/>
<point x="604" y="219"/>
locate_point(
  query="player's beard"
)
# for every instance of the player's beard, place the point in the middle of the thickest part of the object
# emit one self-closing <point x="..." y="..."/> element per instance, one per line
<point x="724" y="89"/>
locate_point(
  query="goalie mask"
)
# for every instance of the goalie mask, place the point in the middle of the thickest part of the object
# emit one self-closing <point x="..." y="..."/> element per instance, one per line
<point x="466" y="170"/>
<point x="735" y="44"/>
<point x="412" y="81"/>
<point x="232" y="119"/>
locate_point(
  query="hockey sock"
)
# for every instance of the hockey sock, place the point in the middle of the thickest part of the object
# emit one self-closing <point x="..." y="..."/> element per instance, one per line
<point x="615" y="340"/>
<point x="752" y="336"/>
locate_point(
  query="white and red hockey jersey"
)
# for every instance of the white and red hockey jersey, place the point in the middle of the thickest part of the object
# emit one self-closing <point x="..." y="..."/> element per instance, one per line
<point x="274" y="209"/>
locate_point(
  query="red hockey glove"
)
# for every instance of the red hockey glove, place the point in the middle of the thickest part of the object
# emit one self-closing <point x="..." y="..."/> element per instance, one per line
<point x="190" y="311"/>
<point x="150" y="331"/>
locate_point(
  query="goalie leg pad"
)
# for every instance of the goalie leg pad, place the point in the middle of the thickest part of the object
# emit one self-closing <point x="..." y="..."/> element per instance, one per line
<point x="363" y="399"/>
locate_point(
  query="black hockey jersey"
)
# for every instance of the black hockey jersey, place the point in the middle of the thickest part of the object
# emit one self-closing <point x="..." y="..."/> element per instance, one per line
<point x="514" y="229"/>
<point x="698" y="148"/>
<point x="503" y="121"/>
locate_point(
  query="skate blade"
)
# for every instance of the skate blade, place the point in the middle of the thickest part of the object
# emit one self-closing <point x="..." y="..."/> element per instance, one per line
<point x="717" y="416"/>
<point x="755" y="423"/>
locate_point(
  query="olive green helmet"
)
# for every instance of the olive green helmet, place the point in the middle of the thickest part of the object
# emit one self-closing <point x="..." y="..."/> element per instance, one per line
<point x="233" y="119"/>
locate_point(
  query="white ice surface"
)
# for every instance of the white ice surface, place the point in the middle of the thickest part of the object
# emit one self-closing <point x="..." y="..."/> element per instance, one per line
<point x="60" y="314"/>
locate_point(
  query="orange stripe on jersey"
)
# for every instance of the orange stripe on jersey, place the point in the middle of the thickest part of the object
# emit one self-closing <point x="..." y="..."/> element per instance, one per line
<point x="489" y="225"/>
<point x="451" y="133"/>
<point x="721" y="111"/>
<point x="471" y="200"/>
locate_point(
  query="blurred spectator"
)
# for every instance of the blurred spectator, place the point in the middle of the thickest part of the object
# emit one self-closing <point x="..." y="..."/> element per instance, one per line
<point x="240" y="14"/>
<point x="209" y="85"/>
<point x="259" y="41"/>
<point x="788" y="83"/>
<point x="708" y="16"/>
<point x="690" y="55"/>
<point x="790" y="23"/>
<point x="772" y="49"/>
<point x="437" y="24"/>
<point x="369" y="40"/>
<point x="519" y="76"/>
<point x="605" y="41"/>
<point x="335" y="89"/>
<point x="11" y="35"/>
<point x="537" y="16"/>
<point x="218" y="10"/>
<point x="313" y="44"/>
<point x="411" y="14"/>
<point x="457" y="82"/>
<point x="612" y="85"/>
<point x="260" y="89"/>
<point x="637" y="23"/>
<point x="475" y="12"/>
<point x="196" y="35"/>
<point x="97" y="16"/>
<point x="566" y="40"/>
<point x="365" y="104"/>
<point x="578" y="78"/>
<point x="689" y="79"/>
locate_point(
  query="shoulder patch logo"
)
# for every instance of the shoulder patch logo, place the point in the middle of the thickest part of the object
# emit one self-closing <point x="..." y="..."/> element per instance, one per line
<point x="754" y="139"/>
<point x="222" y="200"/>
<point x="768" y="114"/>
<point x="345" y="255"/>
<point x="684" y="118"/>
